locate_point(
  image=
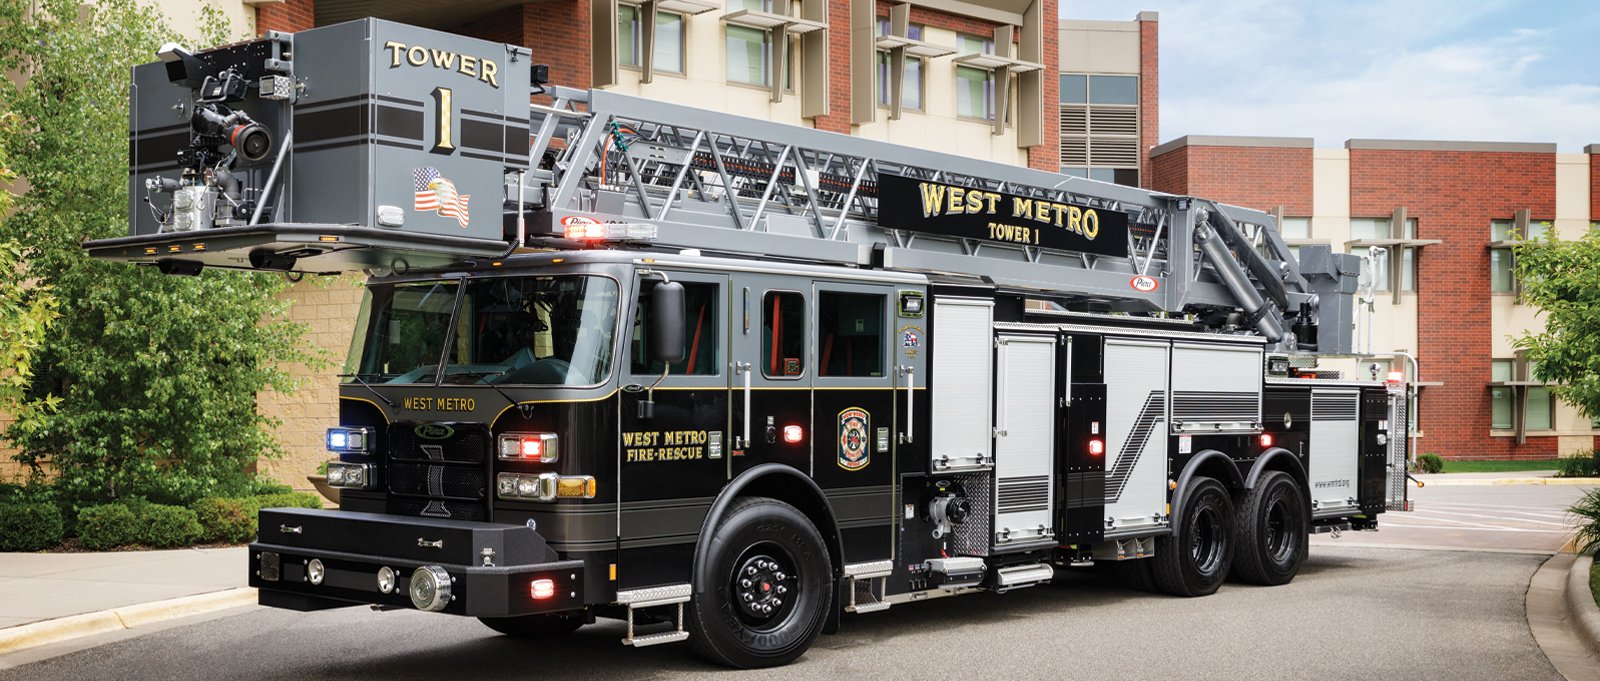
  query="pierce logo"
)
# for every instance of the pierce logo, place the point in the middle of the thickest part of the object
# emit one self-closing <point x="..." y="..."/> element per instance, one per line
<point x="578" y="220"/>
<point x="1144" y="284"/>
<point x="434" y="431"/>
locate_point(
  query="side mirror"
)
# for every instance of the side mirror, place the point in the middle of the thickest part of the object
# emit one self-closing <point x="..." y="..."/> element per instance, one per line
<point x="667" y="318"/>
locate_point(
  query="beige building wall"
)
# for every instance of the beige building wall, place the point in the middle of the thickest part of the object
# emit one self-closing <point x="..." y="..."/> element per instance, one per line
<point x="328" y="308"/>
<point x="1107" y="47"/>
<point x="185" y="15"/>
<point x="704" y="84"/>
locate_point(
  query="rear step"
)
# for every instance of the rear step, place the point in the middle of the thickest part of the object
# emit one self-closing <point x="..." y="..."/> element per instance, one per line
<point x="650" y="597"/>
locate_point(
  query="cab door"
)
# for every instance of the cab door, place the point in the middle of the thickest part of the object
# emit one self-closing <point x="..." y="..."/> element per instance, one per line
<point x="772" y="371"/>
<point x="672" y="458"/>
<point x="854" y="414"/>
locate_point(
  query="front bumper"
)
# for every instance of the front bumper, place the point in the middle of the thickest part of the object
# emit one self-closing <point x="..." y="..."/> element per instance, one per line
<point x="492" y="567"/>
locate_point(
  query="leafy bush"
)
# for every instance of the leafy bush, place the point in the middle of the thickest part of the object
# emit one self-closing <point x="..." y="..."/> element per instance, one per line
<point x="1587" y="513"/>
<point x="1430" y="463"/>
<point x="265" y="486"/>
<point x="29" y="526"/>
<point x="233" y="520"/>
<point x="107" y="526"/>
<point x="1584" y="465"/>
<point x="165" y="526"/>
<point x="289" y="500"/>
<point x="225" y="520"/>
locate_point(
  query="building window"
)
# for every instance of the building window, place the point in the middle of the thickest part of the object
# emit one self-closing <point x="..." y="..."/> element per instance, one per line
<point x="667" y="43"/>
<point x="749" y="56"/>
<point x="1500" y="397"/>
<point x="1541" y="408"/>
<point x="1501" y="277"/>
<point x="974" y="87"/>
<point x="1380" y="228"/>
<point x="1295" y="228"/>
<point x="1502" y="230"/>
<point x="1100" y="126"/>
<point x="911" y="83"/>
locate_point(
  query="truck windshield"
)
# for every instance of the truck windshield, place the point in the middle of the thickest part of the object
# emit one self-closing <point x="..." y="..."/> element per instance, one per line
<point x="544" y="330"/>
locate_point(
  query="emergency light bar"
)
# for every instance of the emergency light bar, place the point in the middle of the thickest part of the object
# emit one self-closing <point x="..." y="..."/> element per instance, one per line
<point x="584" y="230"/>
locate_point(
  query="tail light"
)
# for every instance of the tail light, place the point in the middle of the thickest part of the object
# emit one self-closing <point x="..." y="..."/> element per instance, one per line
<point x="1097" y="447"/>
<point x="530" y="447"/>
<point x="542" y="588"/>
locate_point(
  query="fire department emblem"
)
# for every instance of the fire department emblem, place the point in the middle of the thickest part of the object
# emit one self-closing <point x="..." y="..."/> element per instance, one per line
<point x="854" y="425"/>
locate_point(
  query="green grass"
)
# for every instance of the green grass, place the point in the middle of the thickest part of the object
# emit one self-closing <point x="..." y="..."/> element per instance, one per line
<point x="1500" y="466"/>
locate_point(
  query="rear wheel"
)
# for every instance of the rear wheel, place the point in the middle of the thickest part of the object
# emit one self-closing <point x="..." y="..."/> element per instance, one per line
<point x="1195" y="561"/>
<point x="1271" y="526"/>
<point x="535" y="626"/>
<point x="763" y="592"/>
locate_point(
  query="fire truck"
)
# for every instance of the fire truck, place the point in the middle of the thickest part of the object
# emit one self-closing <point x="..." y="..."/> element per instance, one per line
<point x="728" y="380"/>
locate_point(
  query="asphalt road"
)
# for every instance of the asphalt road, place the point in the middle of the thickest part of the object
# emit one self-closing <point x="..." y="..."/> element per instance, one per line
<point x="1357" y="610"/>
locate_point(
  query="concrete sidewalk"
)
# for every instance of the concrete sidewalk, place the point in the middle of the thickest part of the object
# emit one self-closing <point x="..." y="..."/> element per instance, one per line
<point x="54" y="597"/>
<point x="1503" y="478"/>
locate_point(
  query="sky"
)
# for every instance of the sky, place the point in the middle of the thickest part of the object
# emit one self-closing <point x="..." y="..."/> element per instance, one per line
<point x="1478" y="70"/>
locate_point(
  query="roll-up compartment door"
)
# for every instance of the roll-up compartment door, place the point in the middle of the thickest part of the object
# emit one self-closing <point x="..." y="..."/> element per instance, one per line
<point x="1136" y="435"/>
<point x="1024" y="446"/>
<point x="1334" y="439"/>
<point x="1216" y="388"/>
<point x="962" y="382"/>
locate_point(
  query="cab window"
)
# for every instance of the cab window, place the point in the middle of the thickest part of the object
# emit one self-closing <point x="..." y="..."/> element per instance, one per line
<point x="783" y="329"/>
<point x="700" y="328"/>
<point x="850" y="334"/>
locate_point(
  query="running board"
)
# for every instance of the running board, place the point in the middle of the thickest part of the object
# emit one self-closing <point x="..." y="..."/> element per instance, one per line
<point x="636" y="599"/>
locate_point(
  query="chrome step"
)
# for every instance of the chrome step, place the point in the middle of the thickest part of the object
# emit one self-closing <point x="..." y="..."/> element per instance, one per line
<point x="1022" y="576"/>
<point x="655" y="639"/>
<point x="650" y="597"/>
<point x="868" y="607"/>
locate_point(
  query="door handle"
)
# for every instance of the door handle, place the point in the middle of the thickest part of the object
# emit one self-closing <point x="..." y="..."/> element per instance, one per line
<point x="744" y="438"/>
<point x="911" y="402"/>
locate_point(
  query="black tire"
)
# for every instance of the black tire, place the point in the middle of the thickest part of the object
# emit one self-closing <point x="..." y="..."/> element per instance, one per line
<point x="1196" y="562"/>
<point x="1272" y="531"/>
<point x="764" y="553"/>
<point x="535" y="626"/>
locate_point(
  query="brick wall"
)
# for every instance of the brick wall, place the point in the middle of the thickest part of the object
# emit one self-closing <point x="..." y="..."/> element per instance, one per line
<point x="1047" y="156"/>
<point x="289" y="16"/>
<point x="558" y="32"/>
<point x="1594" y="183"/>
<point x="1453" y="195"/>
<point x="1254" y="177"/>
<point x="838" y="117"/>
<point x="1169" y="172"/>
<point x="1149" y="102"/>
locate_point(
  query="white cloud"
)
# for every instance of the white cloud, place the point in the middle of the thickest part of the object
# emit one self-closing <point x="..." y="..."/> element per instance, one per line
<point x="1414" y="70"/>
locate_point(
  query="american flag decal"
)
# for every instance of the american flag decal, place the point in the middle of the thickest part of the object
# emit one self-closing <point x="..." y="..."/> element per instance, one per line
<point x="438" y="194"/>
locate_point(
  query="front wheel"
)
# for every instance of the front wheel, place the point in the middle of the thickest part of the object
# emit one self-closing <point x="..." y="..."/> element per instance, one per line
<point x="1273" y="531"/>
<point x="763" y="592"/>
<point x="1195" y="561"/>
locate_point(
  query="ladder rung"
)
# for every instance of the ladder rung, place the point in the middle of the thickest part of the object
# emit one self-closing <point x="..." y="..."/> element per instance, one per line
<point x="656" y="639"/>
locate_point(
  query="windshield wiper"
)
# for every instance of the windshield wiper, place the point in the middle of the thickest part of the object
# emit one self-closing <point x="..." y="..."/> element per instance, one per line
<point x="480" y="375"/>
<point x="369" y="387"/>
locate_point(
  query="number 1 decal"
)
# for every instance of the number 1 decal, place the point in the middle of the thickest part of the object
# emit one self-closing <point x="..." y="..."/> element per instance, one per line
<point x="445" y="130"/>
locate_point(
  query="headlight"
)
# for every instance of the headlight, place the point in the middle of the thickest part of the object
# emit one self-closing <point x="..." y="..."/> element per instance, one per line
<point x="342" y="440"/>
<point x="544" y="486"/>
<point x="350" y="475"/>
<point x="430" y="588"/>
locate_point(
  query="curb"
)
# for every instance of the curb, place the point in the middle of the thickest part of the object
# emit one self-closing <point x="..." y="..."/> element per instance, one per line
<point x="1594" y="482"/>
<point x="35" y="634"/>
<point x="1580" y="602"/>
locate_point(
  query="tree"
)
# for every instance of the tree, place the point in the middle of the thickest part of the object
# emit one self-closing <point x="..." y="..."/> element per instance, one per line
<point x="1562" y="278"/>
<point x="146" y="385"/>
